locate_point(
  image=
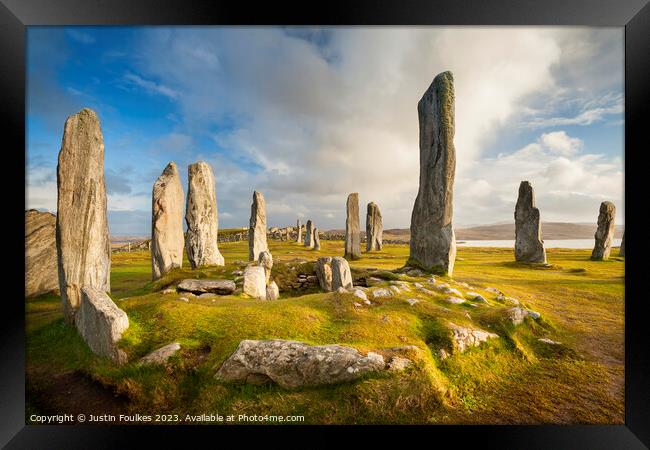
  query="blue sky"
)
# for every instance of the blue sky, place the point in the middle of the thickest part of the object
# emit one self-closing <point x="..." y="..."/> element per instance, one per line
<point x="308" y="115"/>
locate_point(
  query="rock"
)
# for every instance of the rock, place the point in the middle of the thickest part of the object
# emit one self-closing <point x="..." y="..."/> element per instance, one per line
<point x="415" y="273"/>
<point x="367" y="302"/>
<point x="394" y="289"/>
<point x="341" y="274"/>
<point x="257" y="230"/>
<point x="358" y="305"/>
<point x="529" y="247"/>
<point x="309" y="235"/>
<point x="397" y="363"/>
<point x="272" y="291"/>
<point x="442" y="354"/>
<point x="475" y="296"/>
<point x="168" y="291"/>
<point x="101" y="323"/>
<point x="312" y="279"/>
<point x="41" y="271"/>
<point x="266" y="260"/>
<point x="382" y="292"/>
<point x="433" y="244"/>
<point x="417" y="285"/>
<point x="463" y="338"/>
<point x="605" y="232"/>
<point x="452" y="291"/>
<point x="374" y="228"/>
<point x="323" y="269"/>
<point x="237" y="272"/>
<point x="255" y="282"/>
<point x="83" y="245"/>
<point x="167" y="238"/>
<point x="341" y="290"/>
<point x="316" y="234"/>
<point x="621" y="251"/>
<point x="494" y="290"/>
<point x="207" y="295"/>
<point x="359" y="293"/>
<point x="201" y="217"/>
<point x="455" y="300"/>
<point x="160" y="356"/>
<point x="534" y="314"/>
<point x="412" y="301"/>
<point x="293" y="364"/>
<point x="431" y="280"/>
<point x="517" y="315"/>
<point x="184" y="299"/>
<point x="548" y="341"/>
<point x="352" y="229"/>
<point x="373" y="281"/>
<point x="203" y="285"/>
<point x="299" y="231"/>
<point x="424" y="290"/>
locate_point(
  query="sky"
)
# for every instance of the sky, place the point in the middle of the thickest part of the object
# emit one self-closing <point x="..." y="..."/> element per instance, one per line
<point x="308" y="115"/>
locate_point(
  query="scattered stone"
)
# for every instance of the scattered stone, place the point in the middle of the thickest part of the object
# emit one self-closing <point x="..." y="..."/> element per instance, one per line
<point x="167" y="238"/>
<point x="415" y="273"/>
<point x="432" y="243"/>
<point x="605" y="232"/>
<point x="367" y="302"/>
<point x="257" y="229"/>
<point x="293" y="364"/>
<point x="203" y="285"/>
<point x="397" y="363"/>
<point x="352" y="229"/>
<point x="82" y="239"/>
<point x="418" y="285"/>
<point x="341" y="290"/>
<point x="412" y="301"/>
<point x="454" y="300"/>
<point x="184" y="299"/>
<point x="394" y="289"/>
<point x="101" y="323"/>
<point x="517" y="315"/>
<point x="548" y="341"/>
<point x="452" y="291"/>
<point x="475" y="296"/>
<point x="494" y="290"/>
<point x="160" y="356"/>
<point x="168" y="291"/>
<point x="41" y="271"/>
<point x="207" y="295"/>
<point x="424" y="290"/>
<point x="529" y="247"/>
<point x="255" y="282"/>
<point x="358" y="305"/>
<point x="442" y="354"/>
<point x="374" y="228"/>
<point x="201" y="216"/>
<point x="431" y="280"/>
<point x="463" y="338"/>
<point x="359" y="293"/>
<point x="373" y="281"/>
<point x="382" y="292"/>
<point x="272" y="291"/>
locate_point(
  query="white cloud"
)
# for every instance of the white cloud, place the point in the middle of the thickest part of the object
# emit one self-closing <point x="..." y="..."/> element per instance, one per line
<point x="150" y="86"/>
<point x="559" y="142"/>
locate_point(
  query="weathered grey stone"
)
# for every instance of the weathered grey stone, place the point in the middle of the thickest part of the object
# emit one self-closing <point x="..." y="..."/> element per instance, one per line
<point x="359" y="293"/>
<point x="341" y="274"/>
<point x="266" y="260"/>
<point x="605" y="232"/>
<point x="167" y="239"/>
<point x="433" y="244"/>
<point x="412" y="301"/>
<point x="82" y="237"/>
<point x="517" y="315"/>
<point x="272" y="291"/>
<point x="255" y="282"/>
<point x="41" y="271"/>
<point x="352" y="230"/>
<point x="316" y="239"/>
<point x="476" y="297"/>
<point x="257" y="228"/>
<point x="293" y="364"/>
<point x="161" y="355"/>
<point x="298" y="231"/>
<point x="101" y="323"/>
<point x="204" y="285"/>
<point x="374" y="228"/>
<point x="454" y="300"/>
<point x="529" y="247"/>
<point x="309" y="235"/>
<point x="621" y="251"/>
<point x="323" y="269"/>
<point x="382" y="292"/>
<point x="463" y="338"/>
<point x="201" y="216"/>
<point x="397" y="363"/>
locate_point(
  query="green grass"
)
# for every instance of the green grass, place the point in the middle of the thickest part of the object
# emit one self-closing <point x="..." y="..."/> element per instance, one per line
<point x="512" y="379"/>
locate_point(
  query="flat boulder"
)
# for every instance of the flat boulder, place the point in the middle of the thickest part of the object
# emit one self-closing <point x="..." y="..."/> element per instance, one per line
<point x="202" y="286"/>
<point x="293" y="364"/>
<point x="161" y="355"/>
<point x="463" y="337"/>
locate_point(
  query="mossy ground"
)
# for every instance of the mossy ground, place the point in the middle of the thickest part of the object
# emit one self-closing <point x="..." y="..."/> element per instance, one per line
<point x="513" y="379"/>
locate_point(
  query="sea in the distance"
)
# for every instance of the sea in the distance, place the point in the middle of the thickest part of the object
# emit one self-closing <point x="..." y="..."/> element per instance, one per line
<point x="551" y="243"/>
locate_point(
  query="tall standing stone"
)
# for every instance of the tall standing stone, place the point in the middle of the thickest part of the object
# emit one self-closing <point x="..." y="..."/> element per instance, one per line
<point x="352" y="228"/>
<point x="201" y="217"/>
<point x="374" y="228"/>
<point x="309" y="235"/>
<point x="316" y="239"/>
<point x="41" y="271"/>
<point x="529" y="247"/>
<point x="82" y="239"/>
<point x="299" y="231"/>
<point x="167" y="239"/>
<point x="621" y="251"/>
<point x="257" y="229"/>
<point x="433" y="244"/>
<point x="605" y="232"/>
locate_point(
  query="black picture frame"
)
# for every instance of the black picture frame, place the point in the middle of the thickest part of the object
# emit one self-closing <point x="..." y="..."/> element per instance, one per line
<point x="634" y="15"/>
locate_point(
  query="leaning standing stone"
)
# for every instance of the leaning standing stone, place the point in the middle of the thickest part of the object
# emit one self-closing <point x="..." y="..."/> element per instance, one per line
<point x="316" y="239"/>
<point x="433" y="244"/>
<point x="201" y="217"/>
<point x="374" y="228"/>
<point x="167" y="240"/>
<point x="529" y="247"/>
<point x="82" y="239"/>
<point x="309" y="235"/>
<point x="257" y="229"/>
<point x="352" y="231"/>
<point x="605" y="232"/>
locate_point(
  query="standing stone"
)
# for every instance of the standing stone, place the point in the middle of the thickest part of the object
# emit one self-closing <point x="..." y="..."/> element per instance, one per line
<point x="352" y="231"/>
<point x="299" y="231"/>
<point x="621" y="251"/>
<point x="433" y="244"/>
<point x="605" y="232"/>
<point x="201" y="217"/>
<point x="41" y="272"/>
<point x="529" y="247"/>
<point x="167" y="239"/>
<point x="323" y="268"/>
<point x="316" y="239"/>
<point x="341" y="274"/>
<point x="257" y="229"/>
<point x="309" y="235"/>
<point x="255" y="281"/>
<point x="374" y="228"/>
<point x="82" y="239"/>
<point x="266" y="260"/>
